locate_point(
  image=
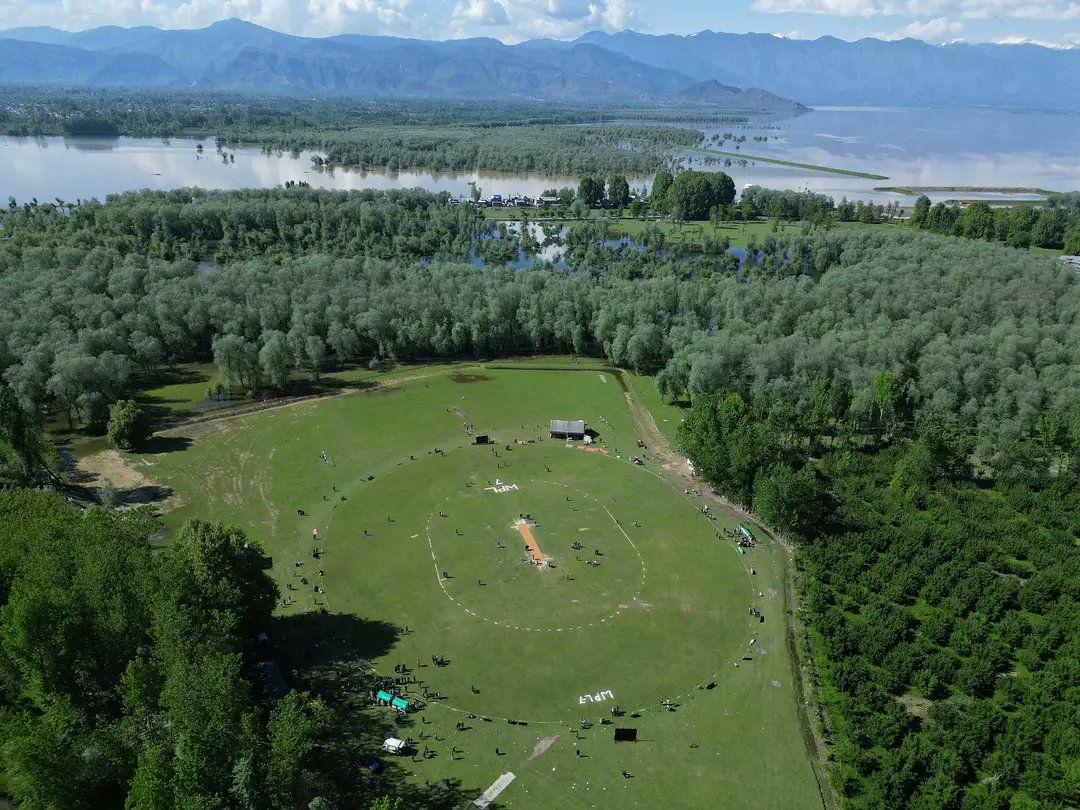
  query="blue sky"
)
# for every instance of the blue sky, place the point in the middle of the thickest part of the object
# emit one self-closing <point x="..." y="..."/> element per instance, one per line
<point x="1052" y="22"/>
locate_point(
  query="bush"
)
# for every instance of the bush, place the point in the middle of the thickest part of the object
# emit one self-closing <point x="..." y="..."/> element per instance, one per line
<point x="109" y="495"/>
<point x="128" y="425"/>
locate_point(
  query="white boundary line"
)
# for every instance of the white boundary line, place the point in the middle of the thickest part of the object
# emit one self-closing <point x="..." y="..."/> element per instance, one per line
<point x="644" y="709"/>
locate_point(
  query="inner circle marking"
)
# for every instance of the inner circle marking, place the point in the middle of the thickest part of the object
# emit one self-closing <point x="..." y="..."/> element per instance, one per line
<point x="442" y="585"/>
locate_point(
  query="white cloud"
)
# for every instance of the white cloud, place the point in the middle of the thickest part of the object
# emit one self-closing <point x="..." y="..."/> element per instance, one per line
<point x="951" y="9"/>
<point x="1070" y="41"/>
<point x="567" y="19"/>
<point x="513" y="20"/>
<point x="939" y="29"/>
<point x="567" y="9"/>
<point x="480" y="12"/>
<point x="358" y="16"/>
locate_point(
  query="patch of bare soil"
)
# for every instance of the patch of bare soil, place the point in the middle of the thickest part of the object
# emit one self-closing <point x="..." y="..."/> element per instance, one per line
<point x="542" y="746"/>
<point x="917" y="706"/>
<point x="135" y="488"/>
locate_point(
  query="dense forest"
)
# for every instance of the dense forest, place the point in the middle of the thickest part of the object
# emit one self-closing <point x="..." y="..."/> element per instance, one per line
<point x="100" y="291"/>
<point x="133" y="677"/>
<point x="942" y="596"/>
<point x="904" y="405"/>
<point x="564" y="141"/>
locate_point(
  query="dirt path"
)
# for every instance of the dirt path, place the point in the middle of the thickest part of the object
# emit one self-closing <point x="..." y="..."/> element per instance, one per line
<point x="677" y="467"/>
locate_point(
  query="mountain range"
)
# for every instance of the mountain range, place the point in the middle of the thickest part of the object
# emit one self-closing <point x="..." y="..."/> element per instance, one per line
<point x="238" y="56"/>
<point x="705" y="69"/>
<point x="906" y="72"/>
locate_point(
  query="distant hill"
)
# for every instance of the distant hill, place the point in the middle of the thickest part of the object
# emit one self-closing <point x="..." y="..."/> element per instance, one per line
<point x="711" y="92"/>
<point x="241" y="57"/>
<point x="905" y="72"/>
<point x="38" y="63"/>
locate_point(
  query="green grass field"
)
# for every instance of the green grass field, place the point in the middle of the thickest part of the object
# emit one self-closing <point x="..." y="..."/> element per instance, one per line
<point x="662" y="616"/>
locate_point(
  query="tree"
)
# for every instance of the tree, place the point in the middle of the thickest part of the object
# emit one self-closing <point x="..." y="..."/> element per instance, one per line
<point x="25" y="454"/>
<point x="658" y="194"/>
<point x="109" y="495"/>
<point x="1049" y="228"/>
<point x="223" y="569"/>
<point x="237" y="358"/>
<point x="618" y="190"/>
<point x="976" y="222"/>
<point x="151" y="786"/>
<point x="723" y="188"/>
<point x="591" y="191"/>
<point x="887" y="390"/>
<point x="789" y="500"/>
<point x="85" y="384"/>
<point x="316" y="355"/>
<point x="1072" y="240"/>
<point x="296" y="727"/>
<point x="129" y="425"/>
<point x="275" y="358"/>
<point x="920" y="212"/>
<point x="693" y="193"/>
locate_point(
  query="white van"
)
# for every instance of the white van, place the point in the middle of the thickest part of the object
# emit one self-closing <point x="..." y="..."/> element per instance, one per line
<point x="392" y="745"/>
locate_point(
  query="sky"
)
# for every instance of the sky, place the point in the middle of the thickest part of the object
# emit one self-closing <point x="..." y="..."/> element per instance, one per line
<point x="1049" y="22"/>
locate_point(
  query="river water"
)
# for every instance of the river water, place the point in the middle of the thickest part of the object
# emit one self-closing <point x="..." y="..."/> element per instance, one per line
<point x="912" y="147"/>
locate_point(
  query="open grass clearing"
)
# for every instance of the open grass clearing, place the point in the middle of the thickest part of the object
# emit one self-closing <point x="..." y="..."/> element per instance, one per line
<point x="662" y="616"/>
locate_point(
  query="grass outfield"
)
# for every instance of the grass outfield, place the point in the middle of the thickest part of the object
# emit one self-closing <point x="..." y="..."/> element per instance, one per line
<point x="662" y="616"/>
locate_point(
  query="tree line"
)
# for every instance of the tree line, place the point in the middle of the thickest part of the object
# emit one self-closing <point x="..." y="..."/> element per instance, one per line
<point x="1055" y="224"/>
<point x="35" y="111"/>
<point x="103" y="292"/>
<point x="568" y="151"/>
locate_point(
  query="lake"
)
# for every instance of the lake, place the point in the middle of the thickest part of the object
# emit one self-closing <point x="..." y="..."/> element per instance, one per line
<point x="915" y="147"/>
<point x="919" y="147"/>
